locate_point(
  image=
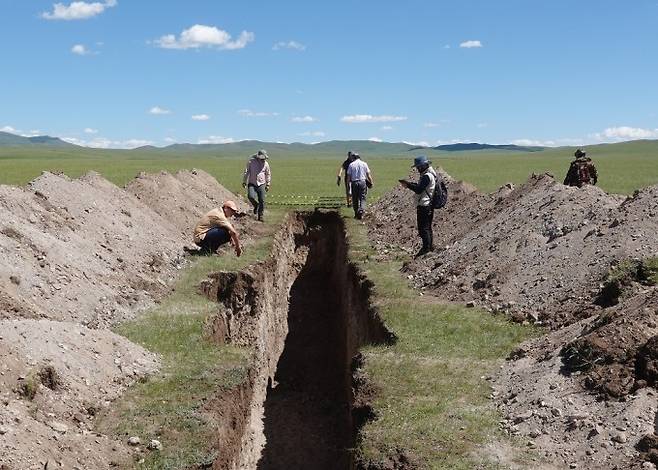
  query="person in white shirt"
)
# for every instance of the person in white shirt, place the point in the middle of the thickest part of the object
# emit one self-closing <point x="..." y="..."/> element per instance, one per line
<point x="360" y="179"/>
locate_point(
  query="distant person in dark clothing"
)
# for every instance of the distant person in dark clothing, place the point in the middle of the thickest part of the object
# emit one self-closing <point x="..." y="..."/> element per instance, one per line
<point x="360" y="179"/>
<point x="215" y="230"/>
<point x="581" y="171"/>
<point x="341" y="170"/>
<point x="424" y="190"/>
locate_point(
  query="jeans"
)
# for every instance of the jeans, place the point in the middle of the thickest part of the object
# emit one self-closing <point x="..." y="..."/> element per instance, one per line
<point x="359" y="192"/>
<point x="424" y="218"/>
<point x="256" y="195"/>
<point x="215" y="237"/>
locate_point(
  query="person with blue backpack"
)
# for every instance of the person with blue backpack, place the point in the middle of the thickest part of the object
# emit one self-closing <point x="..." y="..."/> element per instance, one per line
<point x="431" y="193"/>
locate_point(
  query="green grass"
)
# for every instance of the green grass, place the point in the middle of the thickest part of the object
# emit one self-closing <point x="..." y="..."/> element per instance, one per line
<point x="168" y="405"/>
<point x="622" y="167"/>
<point x="433" y="400"/>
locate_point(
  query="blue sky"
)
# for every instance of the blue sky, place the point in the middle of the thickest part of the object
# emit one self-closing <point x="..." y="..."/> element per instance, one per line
<point x="120" y="73"/>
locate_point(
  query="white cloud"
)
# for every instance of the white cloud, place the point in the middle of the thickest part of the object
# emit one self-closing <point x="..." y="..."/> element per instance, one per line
<point x="170" y="140"/>
<point x="534" y="143"/>
<point x="216" y="139"/>
<point x="303" y="119"/>
<point x="157" y="110"/>
<point x="482" y="125"/>
<point x="80" y="49"/>
<point x="200" y="117"/>
<point x="104" y="143"/>
<point x="470" y="44"/>
<point x="626" y="133"/>
<point x="77" y="10"/>
<point x="250" y="113"/>
<point x="387" y="128"/>
<point x="418" y="144"/>
<point x="89" y="130"/>
<point x="431" y="125"/>
<point x="375" y="139"/>
<point x="9" y="129"/>
<point x="447" y="46"/>
<point x="289" y="45"/>
<point x="199" y="36"/>
<point x="361" y="118"/>
<point x="313" y="134"/>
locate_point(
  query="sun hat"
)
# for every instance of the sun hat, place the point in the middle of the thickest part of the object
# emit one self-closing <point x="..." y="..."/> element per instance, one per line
<point x="579" y="153"/>
<point x="262" y="154"/>
<point x="420" y="160"/>
<point x="230" y="205"/>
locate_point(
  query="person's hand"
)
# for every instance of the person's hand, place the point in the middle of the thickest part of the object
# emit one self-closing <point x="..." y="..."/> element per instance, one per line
<point x="267" y="188"/>
<point x="238" y="250"/>
<point x="244" y="185"/>
<point x="337" y="180"/>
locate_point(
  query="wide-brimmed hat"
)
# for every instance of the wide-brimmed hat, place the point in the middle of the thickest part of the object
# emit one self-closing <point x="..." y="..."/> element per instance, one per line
<point x="420" y="160"/>
<point x="261" y="154"/>
<point x="579" y="153"/>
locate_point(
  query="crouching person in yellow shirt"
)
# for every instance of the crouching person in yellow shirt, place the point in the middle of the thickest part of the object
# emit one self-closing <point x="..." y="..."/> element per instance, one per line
<point x="214" y="230"/>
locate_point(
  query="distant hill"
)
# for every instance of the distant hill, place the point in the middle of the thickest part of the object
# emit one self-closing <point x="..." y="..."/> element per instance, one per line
<point x="466" y="147"/>
<point x="13" y="140"/>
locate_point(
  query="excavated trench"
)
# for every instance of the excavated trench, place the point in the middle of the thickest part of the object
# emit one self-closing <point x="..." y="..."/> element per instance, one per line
<point x="306" y="312"/>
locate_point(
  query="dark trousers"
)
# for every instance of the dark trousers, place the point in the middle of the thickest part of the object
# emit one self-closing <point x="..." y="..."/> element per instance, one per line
<point x="215" y="237"/>
<point x="256" y="195"/>
<point x="424" y="218"/>
<point x="359" y="192"/>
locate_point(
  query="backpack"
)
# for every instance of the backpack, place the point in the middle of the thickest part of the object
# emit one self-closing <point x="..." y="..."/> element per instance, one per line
<point x="440" y="196"/>
<point x="583" y="173"/>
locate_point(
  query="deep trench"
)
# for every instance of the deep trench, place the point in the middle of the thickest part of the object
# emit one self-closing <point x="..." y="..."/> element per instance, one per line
<point x="306" y="312"/>
<point x="310" y="418"/>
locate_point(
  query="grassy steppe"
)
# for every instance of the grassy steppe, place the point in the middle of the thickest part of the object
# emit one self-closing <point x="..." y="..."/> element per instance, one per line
<point x="622" y="167"/>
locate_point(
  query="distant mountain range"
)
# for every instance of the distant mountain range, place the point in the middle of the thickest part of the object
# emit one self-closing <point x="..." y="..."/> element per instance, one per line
<point x="366" y="147"/>
<point x="463" y="147"/>
<point x="13" y="140"/>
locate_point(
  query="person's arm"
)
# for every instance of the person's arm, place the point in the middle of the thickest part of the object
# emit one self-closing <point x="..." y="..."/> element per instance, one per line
<point x="268" y="176"/>
<point x="420" y="186"/>
<point x="369" y="177"/>
<point x="245" y="176"/>
<point x="594" y="173"/>
<point x="339" y="175"/>
<point x="235" y="241"/>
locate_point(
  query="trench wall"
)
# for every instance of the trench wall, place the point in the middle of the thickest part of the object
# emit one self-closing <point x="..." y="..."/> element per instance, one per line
<point x="253" y="312"/>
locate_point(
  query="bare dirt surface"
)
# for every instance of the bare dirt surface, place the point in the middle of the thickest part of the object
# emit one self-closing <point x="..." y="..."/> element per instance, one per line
<point x="76" y="257"/>
<point x="583" y="395"/>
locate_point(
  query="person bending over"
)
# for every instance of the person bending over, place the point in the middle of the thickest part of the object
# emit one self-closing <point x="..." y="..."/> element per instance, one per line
<point x="214" y="230"/>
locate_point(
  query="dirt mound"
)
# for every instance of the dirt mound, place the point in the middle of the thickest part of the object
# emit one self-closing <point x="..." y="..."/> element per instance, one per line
<point x="77" y="256"/>
<point x="81" y="250"/>
<point x="571" y="259"/>
<point x="539" y="251"/>
<point x="53" y="378"/>
<point x="617" y="353"/>
<point x="183" y="198"/>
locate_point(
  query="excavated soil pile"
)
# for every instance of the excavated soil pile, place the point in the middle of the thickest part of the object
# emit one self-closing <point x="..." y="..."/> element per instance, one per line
<point x="543" y="253"/>
<point x="306" y="312"/>
<point x="183" y="198"/>
<point x="77" y="256"/>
